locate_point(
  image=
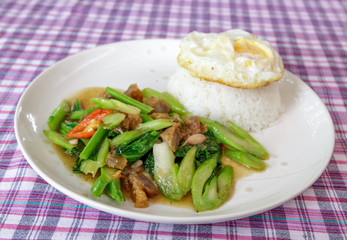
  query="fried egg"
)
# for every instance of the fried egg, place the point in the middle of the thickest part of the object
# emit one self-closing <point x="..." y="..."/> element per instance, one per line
<point x="235" y="58"/>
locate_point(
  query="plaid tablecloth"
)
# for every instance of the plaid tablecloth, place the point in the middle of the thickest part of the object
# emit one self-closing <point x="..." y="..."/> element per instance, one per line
<point x="310" y="35"/>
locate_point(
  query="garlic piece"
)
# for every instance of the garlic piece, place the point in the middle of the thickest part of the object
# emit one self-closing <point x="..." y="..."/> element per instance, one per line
<point x="195" y="139"/>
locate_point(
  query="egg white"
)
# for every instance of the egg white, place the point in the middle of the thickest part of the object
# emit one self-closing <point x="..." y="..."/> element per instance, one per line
<point x="235" y="58"/>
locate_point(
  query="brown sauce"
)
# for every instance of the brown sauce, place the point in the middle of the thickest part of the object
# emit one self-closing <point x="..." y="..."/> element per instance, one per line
<point x="185" y="202"/>
<point x="83" y="96"/>
<point x="68" y="160"/>
<point x="86" y="94"/>
<point x="240" y="171"/>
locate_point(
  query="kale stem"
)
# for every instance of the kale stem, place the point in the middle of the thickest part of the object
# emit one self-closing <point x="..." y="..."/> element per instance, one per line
<point x="128" y="100"/>
<point x="58" y="115"/>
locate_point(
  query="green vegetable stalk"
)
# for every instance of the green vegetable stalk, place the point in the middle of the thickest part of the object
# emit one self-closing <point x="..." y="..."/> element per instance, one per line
<point x="136" y="149"/>
<point x="187" y="170"/>
<point x="128" y="100"/>
<point x="168" y="98"/>
<point x="207" y="193"/>
<point x="114" y="190"/>
<point x="237" y="140"/>
<point x="105" y="181"/>
<point x="143" y="128"/>
<point x="76" y="115"/>
<point x="115" y="105"/>
<point x="126" y="137"/>
<point x="173" y="181"/>
<point x="77" y="106"/>
<point x="245" y="159"/>
<point x="90" y="166"/>
<point x="242" y="133"/>
<point x="93" y="142"/>
<point x="155" y="125"/>
<point x="58" y="115"/>
<point x="113" y="120"/>
<point x="66" y="127"/>
<point x="149" y="163"/>
<point x="58" y="139"/>
<point x="145" y="117"/>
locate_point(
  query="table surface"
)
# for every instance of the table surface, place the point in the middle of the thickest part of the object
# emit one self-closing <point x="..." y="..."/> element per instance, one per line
<point x="34" y="34"/>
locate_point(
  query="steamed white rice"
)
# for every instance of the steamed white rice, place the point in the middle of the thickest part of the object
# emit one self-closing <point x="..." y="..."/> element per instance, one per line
<point x="251" y="109"/>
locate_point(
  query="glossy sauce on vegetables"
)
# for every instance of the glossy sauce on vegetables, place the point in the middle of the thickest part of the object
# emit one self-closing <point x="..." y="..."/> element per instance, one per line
<point x="83" y="96"/>
<point x="68" y="160"/>
<point x="240" y="171"/>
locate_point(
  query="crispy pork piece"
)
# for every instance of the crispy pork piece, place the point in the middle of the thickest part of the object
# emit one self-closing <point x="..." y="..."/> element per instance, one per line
<point x="142" y="188"/>
<point x="172" y="136"/>
<point x="138" y="196"/>
<point x="133" y="170"/>
<point x="130" y="122"/>
<point x="115" y="161"/>
<point x="191" y="126"/>
<point x="163" y="116"/>
<point x="134" y="92"/>
<point x="160" y="116"/>
<point x="159" y="105"/>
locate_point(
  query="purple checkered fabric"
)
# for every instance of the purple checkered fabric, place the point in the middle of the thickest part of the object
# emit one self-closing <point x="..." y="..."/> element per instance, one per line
<point x="310" y="35"/>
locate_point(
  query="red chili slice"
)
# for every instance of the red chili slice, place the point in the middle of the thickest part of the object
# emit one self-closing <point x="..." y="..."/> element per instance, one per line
<point x="97" y="114"/>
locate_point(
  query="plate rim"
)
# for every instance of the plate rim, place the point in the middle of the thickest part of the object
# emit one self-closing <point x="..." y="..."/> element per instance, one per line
<point x="195" y="219"/>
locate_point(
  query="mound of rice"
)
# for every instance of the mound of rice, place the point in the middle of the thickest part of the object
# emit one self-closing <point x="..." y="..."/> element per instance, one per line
<point x="251" y="109"/>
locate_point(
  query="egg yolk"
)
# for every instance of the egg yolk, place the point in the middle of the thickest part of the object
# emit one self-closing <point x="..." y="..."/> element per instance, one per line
<point x="256" y="49"/>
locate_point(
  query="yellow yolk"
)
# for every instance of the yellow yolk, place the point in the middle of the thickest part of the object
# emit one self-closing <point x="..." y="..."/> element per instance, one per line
<point x="255" y="48"/>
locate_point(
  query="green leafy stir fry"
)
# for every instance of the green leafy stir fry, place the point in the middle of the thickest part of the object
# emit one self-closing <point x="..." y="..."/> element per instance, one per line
<point x="146" y="143"/>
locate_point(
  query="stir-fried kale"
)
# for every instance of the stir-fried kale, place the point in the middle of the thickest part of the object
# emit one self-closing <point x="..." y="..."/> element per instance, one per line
<point x="58" y="115"/>
<point x="77" y="150"/>
<point x="173" y="180"/>
<point x="67" y="126"/>
<point x="77" y="106"/>
<point x="92" y="165"/>
<point x="138" y="148"/>
<point x="204" y="151"/>
<point x="76" y="167"/>
<point x="210" y="188"/>
<point x="149" y="163"/>
<point x="236" y="138"/>
<point x="112" y="134"/>
<point x="197" y="168"/>
<point x="106" y="181"/>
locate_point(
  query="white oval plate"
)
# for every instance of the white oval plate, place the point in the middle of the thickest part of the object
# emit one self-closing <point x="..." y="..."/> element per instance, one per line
<point x="300" y="145"/>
